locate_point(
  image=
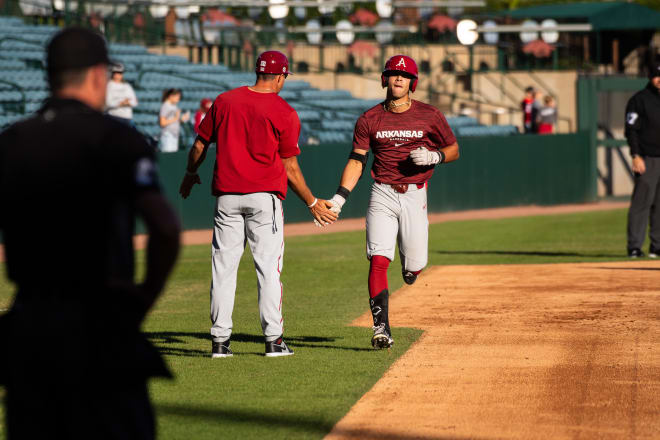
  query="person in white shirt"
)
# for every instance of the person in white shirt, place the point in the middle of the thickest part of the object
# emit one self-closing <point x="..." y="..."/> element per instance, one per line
<point x="120" y="97"/>
<point x="170" y="118"/>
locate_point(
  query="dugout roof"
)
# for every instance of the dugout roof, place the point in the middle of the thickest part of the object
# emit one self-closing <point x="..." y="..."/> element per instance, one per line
<point x="605" y="16"/>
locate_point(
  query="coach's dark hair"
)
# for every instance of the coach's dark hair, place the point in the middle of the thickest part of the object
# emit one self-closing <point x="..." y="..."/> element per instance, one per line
<point x="169" y="92"/>
<point x="267" y="76"/>
<point x="65" y="78"/>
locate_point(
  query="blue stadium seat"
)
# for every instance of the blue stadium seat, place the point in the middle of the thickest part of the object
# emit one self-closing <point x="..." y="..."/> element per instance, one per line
<point x="461" y="121"/>
<point x="337" y="125"/>
<point x="486" y="130"/>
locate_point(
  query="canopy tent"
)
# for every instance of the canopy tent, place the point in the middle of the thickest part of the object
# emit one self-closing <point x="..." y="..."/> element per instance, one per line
<point x="606" y="16"/>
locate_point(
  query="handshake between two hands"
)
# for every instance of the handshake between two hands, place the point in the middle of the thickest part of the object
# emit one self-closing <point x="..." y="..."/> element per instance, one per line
<point x="334" y="206"/>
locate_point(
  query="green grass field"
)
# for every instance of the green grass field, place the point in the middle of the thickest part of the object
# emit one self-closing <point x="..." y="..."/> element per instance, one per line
<point x="324" y="276"/>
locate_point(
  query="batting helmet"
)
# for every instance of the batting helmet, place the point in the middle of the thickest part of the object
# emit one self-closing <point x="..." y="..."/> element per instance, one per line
<point x="397" y="64"/>
<point x="273" y="62"/>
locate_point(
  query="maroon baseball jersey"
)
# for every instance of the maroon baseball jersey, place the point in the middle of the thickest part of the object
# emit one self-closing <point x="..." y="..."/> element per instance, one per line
<point x="253" y="132"/>
<point x="392" y="136"/>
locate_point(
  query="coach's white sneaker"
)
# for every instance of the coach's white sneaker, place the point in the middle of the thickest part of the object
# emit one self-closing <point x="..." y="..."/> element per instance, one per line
<point x="221" y="350"/>
<point x="278" y="348"/>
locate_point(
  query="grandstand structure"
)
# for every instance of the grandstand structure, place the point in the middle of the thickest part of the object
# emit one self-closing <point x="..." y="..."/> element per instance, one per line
<point x="327" y="116"/>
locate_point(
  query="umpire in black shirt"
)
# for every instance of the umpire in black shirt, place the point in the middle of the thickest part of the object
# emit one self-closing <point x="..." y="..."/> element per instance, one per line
<point x="72" y="181"/>
<point x="643" y="134"/>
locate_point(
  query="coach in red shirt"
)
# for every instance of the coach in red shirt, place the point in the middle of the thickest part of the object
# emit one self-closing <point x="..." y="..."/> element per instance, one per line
<point x="256" y="133"/>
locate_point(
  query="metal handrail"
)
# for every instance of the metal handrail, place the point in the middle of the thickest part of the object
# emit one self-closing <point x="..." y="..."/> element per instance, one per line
<point x="175" y="74"/>
<point x="20" y="90"/>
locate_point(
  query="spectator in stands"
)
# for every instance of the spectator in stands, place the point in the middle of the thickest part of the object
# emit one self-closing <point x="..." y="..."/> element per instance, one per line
<point x="204" y="106"/>
<point x="527" y="106"/>
<point x="547" y="117"/>
<point x="120" y="97"/>
<point x="170" y="119"/>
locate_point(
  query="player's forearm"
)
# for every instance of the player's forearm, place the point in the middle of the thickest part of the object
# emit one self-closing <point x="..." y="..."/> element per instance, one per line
<point x="297" y="180"/>
<point x="196" y="156"/>
<point x="351" y="174"/>
<point x="451" y="153"/>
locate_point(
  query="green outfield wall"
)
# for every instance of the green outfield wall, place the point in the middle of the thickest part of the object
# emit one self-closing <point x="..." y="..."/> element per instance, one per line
<point x="491" y="172"/>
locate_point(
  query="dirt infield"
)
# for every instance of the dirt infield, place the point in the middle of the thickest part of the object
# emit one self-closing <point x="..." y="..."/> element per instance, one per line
<point x="561" y="351"/>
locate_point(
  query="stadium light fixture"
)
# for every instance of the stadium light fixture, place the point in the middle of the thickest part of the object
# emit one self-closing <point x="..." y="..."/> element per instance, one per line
<point x="490" y="37"/>
<point x="326" y="7"/>
<point x="313" y="36"/>
<point x="280" y="35"/>
<point x="158" y="10"/>
<point x="384" y="8"/>
<point x="466" y="31"/>
<point x="300" y="12"/>
<point x="61" y="4"/>
<point x="345" y="34"/>
<point x="182" y="12"/>
<point x="550" y="37"/>
<point x="278" y="9"/>
<point x="527" y="36"/>
<point x="36" y="7"/>
<point x="384" y="32"/>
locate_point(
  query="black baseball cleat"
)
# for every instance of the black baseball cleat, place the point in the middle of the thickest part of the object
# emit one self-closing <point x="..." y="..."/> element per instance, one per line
<point x="380" y="312"/>
<point x="221" y="350"/>
<point x="278" y="348"/>
<point x="409" y="277"/>
<point x="381" y="338"/>
<point x="653" y="252"/>
<point x="635" y="253"/>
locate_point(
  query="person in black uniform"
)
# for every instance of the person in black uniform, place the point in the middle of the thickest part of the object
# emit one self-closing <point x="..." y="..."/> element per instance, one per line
<point x="72" y="181"/>
<point x="643" y="134"/>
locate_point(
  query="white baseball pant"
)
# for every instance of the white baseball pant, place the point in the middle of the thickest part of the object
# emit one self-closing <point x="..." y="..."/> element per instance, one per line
<point x="395" y="217"/>
<point x="258" y="219"/>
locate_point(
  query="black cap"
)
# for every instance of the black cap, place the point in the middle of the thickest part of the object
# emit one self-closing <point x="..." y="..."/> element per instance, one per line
<point x="654" y="70"/>
<point x="76" y="48"/>
<point x="117" y="68"/>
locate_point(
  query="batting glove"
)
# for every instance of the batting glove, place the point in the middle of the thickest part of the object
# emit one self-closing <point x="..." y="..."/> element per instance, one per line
<point x="424" y="157"/>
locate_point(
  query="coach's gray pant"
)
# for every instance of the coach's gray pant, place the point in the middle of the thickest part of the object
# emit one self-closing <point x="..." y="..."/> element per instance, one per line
<point x="256" y="218"/>
<point x="645" y="204"/>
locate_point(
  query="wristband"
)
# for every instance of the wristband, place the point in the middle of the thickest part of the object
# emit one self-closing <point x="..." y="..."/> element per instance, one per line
<point x="313" y="203"/>
<point x="344" y="192"/>
<point x="188" y="173"/>
<point x="442" y="156"/>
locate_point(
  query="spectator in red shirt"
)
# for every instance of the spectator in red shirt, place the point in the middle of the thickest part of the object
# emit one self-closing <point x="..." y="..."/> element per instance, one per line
<point x="527" y="106"/>
<point x="547" y="117"/>
<point x="204" y="106"/>
<point x="256" y="133"/>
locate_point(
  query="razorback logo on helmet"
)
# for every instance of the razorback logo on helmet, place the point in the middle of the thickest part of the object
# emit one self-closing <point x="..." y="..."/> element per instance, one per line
<point x="400" y="63"/>
<point x="273" y="62"/>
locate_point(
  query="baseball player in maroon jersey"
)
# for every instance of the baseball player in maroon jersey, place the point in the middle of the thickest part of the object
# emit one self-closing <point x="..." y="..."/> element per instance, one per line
<point x="408" y="139"/>
<point x="256" y="133"/>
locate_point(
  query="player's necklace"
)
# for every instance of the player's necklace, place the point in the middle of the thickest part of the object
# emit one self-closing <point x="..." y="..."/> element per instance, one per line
<point x="262" y="91"/>
<point x="389" y="106"/>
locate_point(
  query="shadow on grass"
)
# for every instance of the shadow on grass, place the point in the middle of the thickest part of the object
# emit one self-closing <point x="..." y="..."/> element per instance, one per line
<point x="290" y="422"/>
<point x="531" y="254"/>
<point x="164" y="342"/>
